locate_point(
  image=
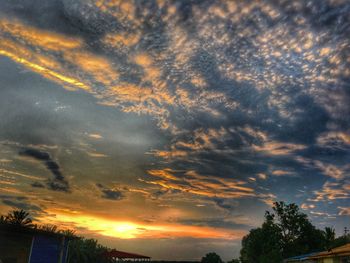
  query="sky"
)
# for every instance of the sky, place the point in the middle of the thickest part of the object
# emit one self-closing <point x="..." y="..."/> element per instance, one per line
<point x="168" y="128"/>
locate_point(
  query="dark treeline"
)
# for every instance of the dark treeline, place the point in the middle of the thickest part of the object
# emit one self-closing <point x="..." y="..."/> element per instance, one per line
<point x="164" y="261"/>
<point x="285" y="232"/>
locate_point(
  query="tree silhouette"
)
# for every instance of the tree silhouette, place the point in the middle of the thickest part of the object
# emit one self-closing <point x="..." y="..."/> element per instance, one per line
<point x="49" y="228"/>
<point x="340" y="241"/>
<point x="211" y="258"/>
<point x="262" y="244"/>
<point x="2" y="219"/>
<point x="19" y="218"/>
<point x="68" y="233"/>
<point x="329" y="236"/>
<point x="285" y="232"/>
<point x="83" y="250"/>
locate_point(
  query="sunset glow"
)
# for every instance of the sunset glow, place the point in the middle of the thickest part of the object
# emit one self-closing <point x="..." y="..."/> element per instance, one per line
<point x="174" y="125"/>
<point x="130" y="230"/>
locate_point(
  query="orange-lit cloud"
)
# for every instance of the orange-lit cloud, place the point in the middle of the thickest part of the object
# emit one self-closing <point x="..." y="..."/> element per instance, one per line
<point x="202" y="140"/>
<point x="278" y="148"/>
<point x="18" y="174"/>
<point x="193" y="183"/>
<point x="18" y="49"/>
<point x="50" y="74"/>
<point x="330" y="170"/>
<point x="281" y="173"/>
<point x="37" y="37"/>
<point x="333" y="191"/>
<point x="95" y="136"/>
<point x="332" y="137"/>
<point x="97" y="155"/>
<point x="116" y="40"/>
<point x="262" y="176"/>
<point x="307" y="206"/>
<point x="120" y="9"/>
<point x="231" y="107"/>
<point x="344" y="211"/>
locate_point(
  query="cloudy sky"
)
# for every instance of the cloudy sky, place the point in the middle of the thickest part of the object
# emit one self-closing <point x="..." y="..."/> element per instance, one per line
<point x="168" y="127"/>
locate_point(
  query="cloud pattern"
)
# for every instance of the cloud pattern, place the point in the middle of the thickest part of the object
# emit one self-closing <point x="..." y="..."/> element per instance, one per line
<point x="250" y="98"/>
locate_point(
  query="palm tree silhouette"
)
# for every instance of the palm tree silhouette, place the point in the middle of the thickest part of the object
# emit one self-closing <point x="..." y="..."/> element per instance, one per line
<point x="19" y="218"/>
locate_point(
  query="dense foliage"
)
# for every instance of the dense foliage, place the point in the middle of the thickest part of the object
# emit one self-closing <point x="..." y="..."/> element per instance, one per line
<point x="18" y="218"/>
<point x="83" y="250"/>
<point x="286" y="232"/>
<point x="211" y="258"/>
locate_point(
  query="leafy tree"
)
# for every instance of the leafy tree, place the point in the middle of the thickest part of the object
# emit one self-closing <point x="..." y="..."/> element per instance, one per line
<point x="285" y="232"/>
<point x="83" y="250"/>
<point x="340" y="241"/>
<point x="49" y="228"/>
<point x="211" y="258"/>
<point x="329" y="237"/>
<point x="19" y="218"/>
<point x="299" y="236"/>
<point x="68" y="233"/>
<point x="262" y="244"/>
<point x="2" y="219"/>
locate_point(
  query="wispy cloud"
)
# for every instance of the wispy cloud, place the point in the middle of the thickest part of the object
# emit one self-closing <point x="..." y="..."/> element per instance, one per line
<point x="333" y="191"/>
<point x="344" y="211"/>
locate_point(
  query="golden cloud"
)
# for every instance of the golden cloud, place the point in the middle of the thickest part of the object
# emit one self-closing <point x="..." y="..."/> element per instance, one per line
<point x="130" y="229"/>
<point x="203" y="185"/>
<point x="278" y="148"/>
<point x="333" y="191"/>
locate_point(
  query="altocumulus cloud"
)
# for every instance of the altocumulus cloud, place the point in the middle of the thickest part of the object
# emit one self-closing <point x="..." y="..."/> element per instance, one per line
<point x="251" y="97"/>
<point x="242" y="88"/>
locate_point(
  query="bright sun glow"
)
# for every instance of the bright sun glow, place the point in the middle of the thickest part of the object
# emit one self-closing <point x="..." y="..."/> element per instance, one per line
<point x="129" y="230"/>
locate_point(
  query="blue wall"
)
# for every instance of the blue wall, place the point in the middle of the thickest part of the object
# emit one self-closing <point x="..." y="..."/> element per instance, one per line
<point x="47" y="249"/>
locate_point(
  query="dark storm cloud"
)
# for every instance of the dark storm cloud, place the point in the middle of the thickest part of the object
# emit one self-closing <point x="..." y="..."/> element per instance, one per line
<point x="38" y="155"/>
<point x="20" y="202"/>
<point x="111" y="194"/>
<point x="59" y="183"/>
